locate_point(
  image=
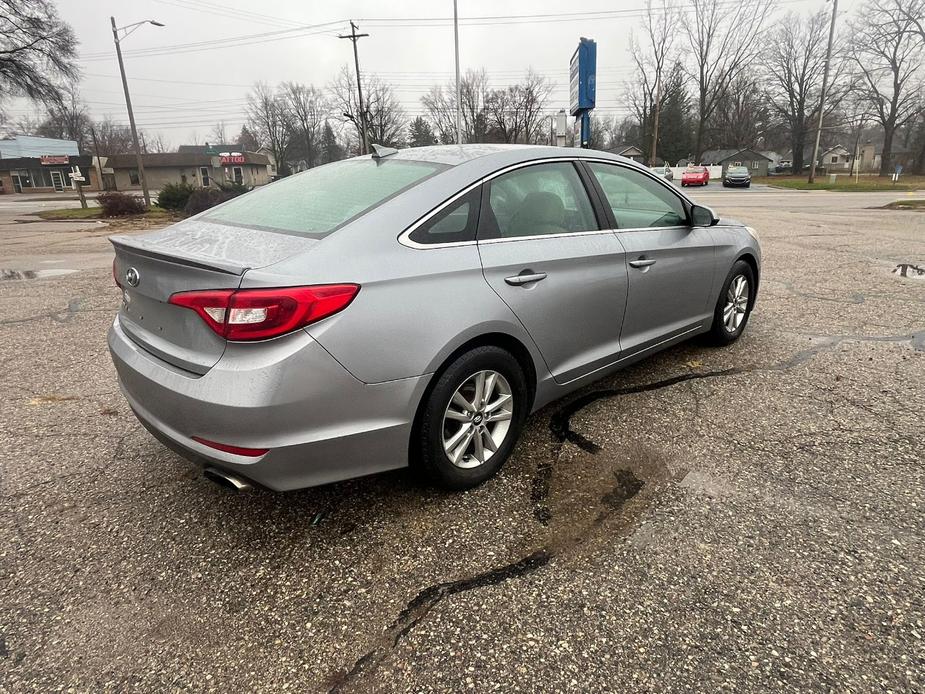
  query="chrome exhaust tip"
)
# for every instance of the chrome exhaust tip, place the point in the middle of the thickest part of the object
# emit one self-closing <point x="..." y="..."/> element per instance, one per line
<point x="226" y="479"/>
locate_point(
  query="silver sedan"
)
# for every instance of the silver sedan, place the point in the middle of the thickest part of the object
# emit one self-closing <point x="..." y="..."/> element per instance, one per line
<point x="412" y="307"/>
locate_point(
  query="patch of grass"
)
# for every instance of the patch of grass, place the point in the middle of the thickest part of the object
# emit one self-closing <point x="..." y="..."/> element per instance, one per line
<point x="915" y="204"/>
<point x="72" y="213"/>
<point x="844" y="182"/>
<point x="78" y="213"/>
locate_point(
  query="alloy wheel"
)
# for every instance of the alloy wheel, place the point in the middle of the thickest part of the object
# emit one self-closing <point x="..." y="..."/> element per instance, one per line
<point x="477" y="419"/>
<point x="736" y="303"/>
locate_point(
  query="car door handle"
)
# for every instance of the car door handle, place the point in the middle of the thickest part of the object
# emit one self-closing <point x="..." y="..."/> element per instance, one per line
<point x="642" y="262"/>
<point x="525" y="278"/>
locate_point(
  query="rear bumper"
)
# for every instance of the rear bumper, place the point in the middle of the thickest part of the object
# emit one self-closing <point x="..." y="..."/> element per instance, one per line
<point x="287" y="395"/>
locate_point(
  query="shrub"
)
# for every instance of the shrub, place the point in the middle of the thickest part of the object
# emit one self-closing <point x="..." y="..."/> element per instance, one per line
<point x="234" y="187"/>
<point x="117" y="204"/>
<point x="174" y="196"/>
<point x="204" y="198"/>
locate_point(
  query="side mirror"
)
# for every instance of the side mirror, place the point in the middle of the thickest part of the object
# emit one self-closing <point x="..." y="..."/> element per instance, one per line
<point x="702" y="216"/>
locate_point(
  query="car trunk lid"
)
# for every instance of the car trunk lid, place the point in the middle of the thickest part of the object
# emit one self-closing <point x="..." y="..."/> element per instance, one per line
<point x="192" y="255"/>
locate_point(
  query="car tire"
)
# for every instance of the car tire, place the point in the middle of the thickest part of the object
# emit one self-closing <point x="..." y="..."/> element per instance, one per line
<point x="748" y="185"/>
<point x="727" y="328"/>
<point x="432" y="445"/>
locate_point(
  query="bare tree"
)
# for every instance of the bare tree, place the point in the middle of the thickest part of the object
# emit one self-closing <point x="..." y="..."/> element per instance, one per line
<point x="914" y="11"/>
<point x="269" y="120"/>
<point x="111" y="138"/>
<point x="793" y="65"/>
<point x="473" y="90"/>
<point x="440" y="104"/>
<point x="219" y="135"/>
<point x="67" y="119"/>
<point x="888" y="52"/>
<point x="742" y="114"/>
<point x="515" y="113"/>
<point x="308" y="109"/>
<point x="38" y="51"/>
<point x="660" y="27"/>
<point x="385" y="118"/>
<point x="724" y="39"/>
<point x="156" y="143"/>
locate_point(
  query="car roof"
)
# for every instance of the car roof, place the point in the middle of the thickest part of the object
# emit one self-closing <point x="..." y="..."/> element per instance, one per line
<point x="488" y="154"/>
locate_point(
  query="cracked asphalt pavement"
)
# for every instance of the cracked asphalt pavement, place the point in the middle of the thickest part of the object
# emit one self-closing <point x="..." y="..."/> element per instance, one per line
<point x="747" y="518"/>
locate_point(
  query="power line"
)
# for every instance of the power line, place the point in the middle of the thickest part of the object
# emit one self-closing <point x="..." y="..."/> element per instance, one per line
<point x="227" y="42"/>
<point x="213" y="9"/>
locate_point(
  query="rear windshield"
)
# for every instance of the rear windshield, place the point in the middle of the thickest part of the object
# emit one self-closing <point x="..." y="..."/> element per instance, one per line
<point x="314" y="203"/>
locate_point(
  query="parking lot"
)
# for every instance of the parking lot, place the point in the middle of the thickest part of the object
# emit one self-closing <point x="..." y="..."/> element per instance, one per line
<point x="748" y="518"/>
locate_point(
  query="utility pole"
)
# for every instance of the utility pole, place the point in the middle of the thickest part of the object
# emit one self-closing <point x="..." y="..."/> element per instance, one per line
<point x="825" y="84"/>
<point x="658" y="104"/>
<point x="458" y="91"/>
<point x="354" y="36"/>
<point x="98" y="165"/>
<point x="128" y="104"/>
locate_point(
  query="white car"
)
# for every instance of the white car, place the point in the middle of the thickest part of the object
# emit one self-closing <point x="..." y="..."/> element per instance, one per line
<point x="664" y="172"/>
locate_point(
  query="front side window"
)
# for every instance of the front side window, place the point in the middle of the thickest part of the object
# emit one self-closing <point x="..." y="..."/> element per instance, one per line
<point x="638" y="201"/>
<point x="317" y="201"/>
<point x="537" y="200"/>
<point x="453" y="224"/>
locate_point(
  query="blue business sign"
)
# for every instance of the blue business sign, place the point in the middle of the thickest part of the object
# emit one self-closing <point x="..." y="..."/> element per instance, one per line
<point x="582" y="77"/>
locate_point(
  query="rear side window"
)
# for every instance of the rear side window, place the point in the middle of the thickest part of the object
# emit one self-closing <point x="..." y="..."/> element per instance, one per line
<point x="637" y="201"/>
<point x="316" y="202"/>
<point x="540" y="199"/>
<point x="454" y="223"/>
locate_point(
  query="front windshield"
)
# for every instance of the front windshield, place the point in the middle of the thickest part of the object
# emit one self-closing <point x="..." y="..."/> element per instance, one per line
<point x="738" y="170"/>
<point x="694" y="169"/>
<point x="314" y="203"/>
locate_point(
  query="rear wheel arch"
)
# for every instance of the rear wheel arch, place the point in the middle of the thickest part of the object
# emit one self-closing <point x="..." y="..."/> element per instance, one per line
<point x="507" y="342"/>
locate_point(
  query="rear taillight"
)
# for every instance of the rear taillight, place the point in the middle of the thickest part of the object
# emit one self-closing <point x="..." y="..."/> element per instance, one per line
<point x="259" y="314"/>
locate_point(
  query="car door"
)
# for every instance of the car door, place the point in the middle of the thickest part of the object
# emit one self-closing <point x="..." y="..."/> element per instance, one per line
<point x="670" y="263"/>
<point x="547" y="252"/>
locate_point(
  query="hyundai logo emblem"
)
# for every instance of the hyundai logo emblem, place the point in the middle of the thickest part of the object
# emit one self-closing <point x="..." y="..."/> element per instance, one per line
<point x="132" y="277"/>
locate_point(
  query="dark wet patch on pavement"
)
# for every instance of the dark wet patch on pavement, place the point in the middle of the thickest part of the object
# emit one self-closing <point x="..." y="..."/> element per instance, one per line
<point x="9" y="274"/>
<point x="6" y="274"/>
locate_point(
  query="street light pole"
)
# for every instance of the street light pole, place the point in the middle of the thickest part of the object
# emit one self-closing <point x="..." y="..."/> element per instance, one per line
<point x="825" y="84"/>
<point x="128" y="29"/>
<point x="458" y="92"/>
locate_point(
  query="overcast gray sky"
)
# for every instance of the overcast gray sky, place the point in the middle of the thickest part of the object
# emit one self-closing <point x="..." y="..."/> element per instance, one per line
<point x="190" y="74"/>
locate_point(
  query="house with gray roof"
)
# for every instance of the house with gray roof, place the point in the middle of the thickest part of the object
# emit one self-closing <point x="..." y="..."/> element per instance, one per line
<point x="756" y="162"/>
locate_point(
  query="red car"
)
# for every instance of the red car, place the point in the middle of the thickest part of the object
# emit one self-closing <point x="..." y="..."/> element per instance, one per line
<point x="695" y="176"/>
